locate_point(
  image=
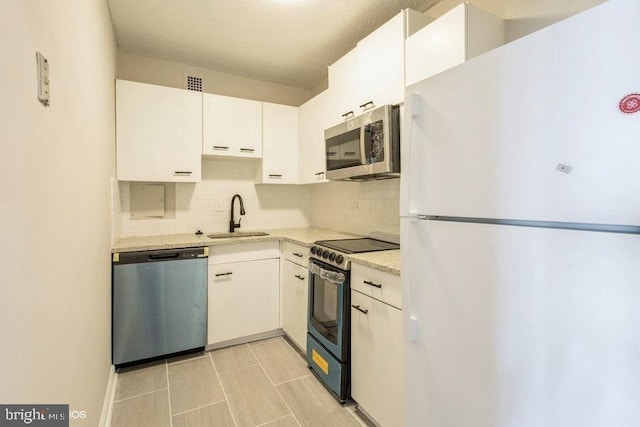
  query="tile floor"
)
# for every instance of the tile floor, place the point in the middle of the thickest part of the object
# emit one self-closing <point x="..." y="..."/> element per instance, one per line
<point x="265" y="383"/>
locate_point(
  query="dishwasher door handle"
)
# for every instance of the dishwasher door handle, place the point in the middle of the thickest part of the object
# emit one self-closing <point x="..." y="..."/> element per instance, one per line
<point x="155" y="257"/>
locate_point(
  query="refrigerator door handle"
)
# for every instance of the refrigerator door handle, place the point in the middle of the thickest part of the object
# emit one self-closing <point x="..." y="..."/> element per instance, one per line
<point x="411" y="111"/>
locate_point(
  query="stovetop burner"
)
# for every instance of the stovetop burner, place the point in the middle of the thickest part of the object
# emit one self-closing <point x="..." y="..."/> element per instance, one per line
<point x="333" y="251"/>
<point x="359" y="245"/>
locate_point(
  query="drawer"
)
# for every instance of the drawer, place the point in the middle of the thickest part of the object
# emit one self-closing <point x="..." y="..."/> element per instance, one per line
<point x="296" y="253"/>
<point x="238" y="252"/>
<point x="377" y="284"/>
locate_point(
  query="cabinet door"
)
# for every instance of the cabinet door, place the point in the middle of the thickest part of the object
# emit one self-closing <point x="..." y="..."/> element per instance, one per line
<point x="231" y="126"/>
<point x="377" y="359"/>
<point x="243" y="299"/>
<point x="159" y="133"/>
<point x="247" y="127"/>
<point x="279" y="145"/>
<point x="294" y="302"/>
<point x="312" y="121"/>
<point x="438" y="46"/>
<point x="381" y="65"/>
<point x="217" y="126"/>
<point x="343" y="87"/>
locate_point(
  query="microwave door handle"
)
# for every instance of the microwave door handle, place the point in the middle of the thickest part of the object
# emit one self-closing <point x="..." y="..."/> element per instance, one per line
<point x="363" y="154"/>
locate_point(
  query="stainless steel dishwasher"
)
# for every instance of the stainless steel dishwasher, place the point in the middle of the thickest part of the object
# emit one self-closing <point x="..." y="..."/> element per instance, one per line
<point x="159" y="303"/>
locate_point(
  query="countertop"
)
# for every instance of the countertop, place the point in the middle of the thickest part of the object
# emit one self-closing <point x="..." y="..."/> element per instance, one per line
<point x="388" y="261"/>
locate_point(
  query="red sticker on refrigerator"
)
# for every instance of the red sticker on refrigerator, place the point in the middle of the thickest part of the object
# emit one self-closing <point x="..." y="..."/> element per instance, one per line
<point x="630" y="104"/>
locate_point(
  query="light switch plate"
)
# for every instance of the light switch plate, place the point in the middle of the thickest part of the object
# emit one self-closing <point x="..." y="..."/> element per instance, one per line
<point x="43" y="79"/>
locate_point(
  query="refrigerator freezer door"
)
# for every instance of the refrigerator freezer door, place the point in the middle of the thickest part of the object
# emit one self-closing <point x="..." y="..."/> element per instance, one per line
<point x="521" y="327"/>
<point x="534" y="129"/>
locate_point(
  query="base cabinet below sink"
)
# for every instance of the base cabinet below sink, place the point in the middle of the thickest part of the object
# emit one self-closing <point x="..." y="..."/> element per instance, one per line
<point x="243" y="294"/>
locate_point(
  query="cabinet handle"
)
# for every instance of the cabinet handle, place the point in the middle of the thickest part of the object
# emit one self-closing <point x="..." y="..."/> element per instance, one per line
<point x="224" y="274"/>
<point x="349" y="153"/>
<point x="275" y="175"/>
<point x="348" y="115"/>
<point x="357" y="307"/>
<point x="298" y="255"/>
<point x="364" y="106"/>
<point x="319" y="173"/>
<point x="182" y="173"/>
<point x="220" y="147"/>
<point x="375" y="285"/>
<point x="247" y="150"/>
<point x="331" y="153"/>
<point x="299" y="277"/>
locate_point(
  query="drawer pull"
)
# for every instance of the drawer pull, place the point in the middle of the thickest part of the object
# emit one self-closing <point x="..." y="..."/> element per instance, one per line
<point x="348" y="114"/>
<point x="182" y="173"/>
<point x="357" y="307"/>
<point x="375" y="285"/>
<point x="224" y="274"/>
<point x="299" y="277"/>
<point x="247" y="150"/>
<point x="275" y="175"/>
<point x="220" y="147"/>
<point x="319" y="173"/>
<point x="349" y="153"/>
<point x="298" y="254"/>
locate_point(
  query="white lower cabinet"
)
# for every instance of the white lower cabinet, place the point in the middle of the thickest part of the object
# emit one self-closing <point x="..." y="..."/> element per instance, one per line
<point x="243" y="297"/>
<point x="294" y="294"/>
<point x="377" y="359"/>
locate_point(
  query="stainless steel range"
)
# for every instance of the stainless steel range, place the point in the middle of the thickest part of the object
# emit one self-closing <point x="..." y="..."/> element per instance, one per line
<point x="329" y="324"/>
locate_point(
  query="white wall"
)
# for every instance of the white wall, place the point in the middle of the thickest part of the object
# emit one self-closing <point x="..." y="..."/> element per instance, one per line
<point x="169" y="73"/>
<point x="266" y="206"/>
<point x="55" y="164"/>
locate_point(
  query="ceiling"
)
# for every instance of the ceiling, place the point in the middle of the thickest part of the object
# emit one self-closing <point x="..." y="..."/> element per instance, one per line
<point x="289" y="42"/>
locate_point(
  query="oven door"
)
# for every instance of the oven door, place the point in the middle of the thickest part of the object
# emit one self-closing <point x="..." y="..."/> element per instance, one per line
<point x="328" y="315"/>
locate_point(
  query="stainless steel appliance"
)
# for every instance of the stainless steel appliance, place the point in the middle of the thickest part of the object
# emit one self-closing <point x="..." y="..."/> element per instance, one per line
<point x="366" y="147"/>
<point x="328" y="325"/>
<point x="159" y="303"/>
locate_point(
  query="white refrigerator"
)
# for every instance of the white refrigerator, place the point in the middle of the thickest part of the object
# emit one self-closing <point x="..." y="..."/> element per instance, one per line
<point x="520" y="205"/>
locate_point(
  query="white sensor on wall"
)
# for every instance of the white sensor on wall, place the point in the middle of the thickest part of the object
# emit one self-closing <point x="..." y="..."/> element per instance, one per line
<point x="43" y="79"/>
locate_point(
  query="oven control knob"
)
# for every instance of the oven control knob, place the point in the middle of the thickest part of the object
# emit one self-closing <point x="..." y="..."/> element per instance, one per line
<point x="314" y="249"/>
<point x="332" y="256"/>
<point x="339" y="259"/>
<point x="325" y="254"/>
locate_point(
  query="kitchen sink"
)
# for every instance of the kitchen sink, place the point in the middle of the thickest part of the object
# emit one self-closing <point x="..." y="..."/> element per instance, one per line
<point x="237" y="234"/>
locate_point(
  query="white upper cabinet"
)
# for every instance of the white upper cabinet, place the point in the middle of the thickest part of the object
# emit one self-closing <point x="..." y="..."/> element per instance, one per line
<point x="158" y="133"/>
<point x="373" y="73"/>
<point x="313" y="119"/>
<point x="279" y="145"/>
<point x="231" y="126"/>
<point x="381" y="65"/>
<point x="343" y="79"/>
<point x="460" y="34"/>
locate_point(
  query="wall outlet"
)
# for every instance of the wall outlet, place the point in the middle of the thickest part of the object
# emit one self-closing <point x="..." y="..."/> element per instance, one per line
<point x="354" y="206"/>
<point x="219" y="207"/>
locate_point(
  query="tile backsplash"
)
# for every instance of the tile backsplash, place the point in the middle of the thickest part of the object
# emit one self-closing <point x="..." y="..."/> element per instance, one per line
<point x="353" y="207"/>
<point x="206" y="205"/>
<point x="357" y="207"/>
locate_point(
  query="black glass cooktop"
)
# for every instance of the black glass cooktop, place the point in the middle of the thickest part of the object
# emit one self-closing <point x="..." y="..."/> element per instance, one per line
<point x="359" y="245"/>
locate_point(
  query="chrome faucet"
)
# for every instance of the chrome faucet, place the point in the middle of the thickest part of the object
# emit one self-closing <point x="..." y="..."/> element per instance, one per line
<point x="232" y="224"/>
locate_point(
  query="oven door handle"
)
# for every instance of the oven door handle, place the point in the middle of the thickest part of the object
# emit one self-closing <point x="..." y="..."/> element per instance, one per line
<point x="328" y="275"/>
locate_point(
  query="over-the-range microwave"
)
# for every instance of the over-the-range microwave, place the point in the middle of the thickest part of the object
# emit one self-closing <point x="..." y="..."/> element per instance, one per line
<point x="365" y="147"/>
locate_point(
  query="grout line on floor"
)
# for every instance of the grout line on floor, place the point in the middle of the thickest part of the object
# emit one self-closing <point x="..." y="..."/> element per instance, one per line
<point x="226" y="398"/>
<point x="190" y="359"/>
<point x="276" y="389"/>
<point x="199" y="407"/>
<point x="169" y="394"/>
<point x="141" y="394"/>
<point x="293" y="379"/>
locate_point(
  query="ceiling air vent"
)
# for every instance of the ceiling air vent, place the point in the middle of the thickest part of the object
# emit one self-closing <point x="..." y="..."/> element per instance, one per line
<point x="193" y="83"/>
